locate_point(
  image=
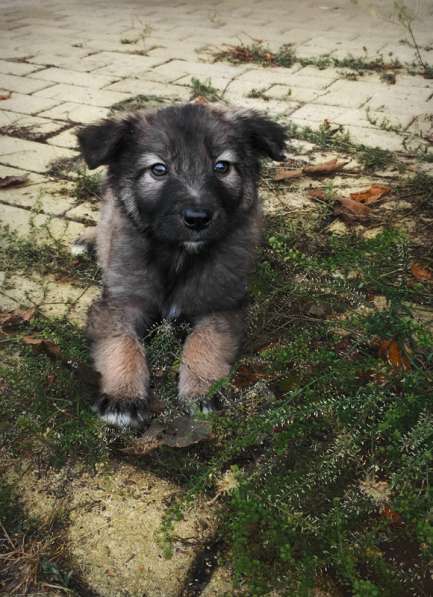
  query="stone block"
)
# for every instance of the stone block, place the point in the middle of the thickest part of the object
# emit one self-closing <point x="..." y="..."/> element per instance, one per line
<point x="29" y="155"/>
<point x="82" y="95"/>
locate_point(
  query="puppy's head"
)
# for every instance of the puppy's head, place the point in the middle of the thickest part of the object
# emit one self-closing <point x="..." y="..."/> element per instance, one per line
<point x="185" y="174"/>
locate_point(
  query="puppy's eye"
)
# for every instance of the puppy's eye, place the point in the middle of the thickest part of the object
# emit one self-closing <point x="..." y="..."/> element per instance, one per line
<point x="159" y="169"/>
<point x="221" y="167"/>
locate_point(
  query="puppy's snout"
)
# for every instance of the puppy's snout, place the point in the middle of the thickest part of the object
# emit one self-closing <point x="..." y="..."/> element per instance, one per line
<point x="196" y="219"/>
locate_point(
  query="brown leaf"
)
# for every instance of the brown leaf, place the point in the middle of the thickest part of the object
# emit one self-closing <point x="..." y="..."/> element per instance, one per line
<point x="13" y="181"/>
<point x="371" y="195"/>
<point x="181" y="432"/>
<point x="5" y="96"/>
<point x="421" y="273"/>
<point x="200" y="99"/>
<point x="389" y="350"/>
<point x="352" y="210"/>
<point x="283" y="173"/>
<point x="247" y="375"/>
<point x="393" y="516"/>
<point x="53" y="351"/>
<point x="325" y="167"/>
<point x="316" y="194"/>
<point x="14" y="318"/>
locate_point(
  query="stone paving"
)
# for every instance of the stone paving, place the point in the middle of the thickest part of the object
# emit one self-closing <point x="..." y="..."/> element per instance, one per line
<point x="67" y="63"/>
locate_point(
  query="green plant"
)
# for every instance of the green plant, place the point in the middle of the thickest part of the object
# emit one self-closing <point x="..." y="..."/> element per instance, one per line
<point x="204" y="89"/>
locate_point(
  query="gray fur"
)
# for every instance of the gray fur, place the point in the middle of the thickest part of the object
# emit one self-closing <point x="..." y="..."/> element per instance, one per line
<point x="154" y="265"/>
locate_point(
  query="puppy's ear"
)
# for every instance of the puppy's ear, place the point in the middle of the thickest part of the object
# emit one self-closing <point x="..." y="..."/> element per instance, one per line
<point x="267" y="138"/>
<point x="100" y="142"/>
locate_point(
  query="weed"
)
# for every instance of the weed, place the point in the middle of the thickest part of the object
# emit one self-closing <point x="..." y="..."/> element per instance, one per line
<point x="87" y="185"/>
<point x="371" y="158"/>
<point x="205" y="89"/>
<point x="140" y="102"/>
<point x="259" y="93"/>
<point x="333" y="417"/>
<point x="419" y="189"/>
<point x="44" y="256"/>
<point x="258" y="53"/>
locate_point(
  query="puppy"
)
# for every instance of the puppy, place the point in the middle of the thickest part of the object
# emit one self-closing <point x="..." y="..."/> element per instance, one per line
<point x="177" y="238"/>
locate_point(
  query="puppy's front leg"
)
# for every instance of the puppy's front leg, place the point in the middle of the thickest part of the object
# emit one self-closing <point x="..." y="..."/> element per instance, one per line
<point x="120" y="359"/>
<point x="208" y="354"/>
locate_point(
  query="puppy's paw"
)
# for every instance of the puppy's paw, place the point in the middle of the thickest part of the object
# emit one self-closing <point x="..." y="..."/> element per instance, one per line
<point x="85" y="243"/>
<point x="123" y="413"/>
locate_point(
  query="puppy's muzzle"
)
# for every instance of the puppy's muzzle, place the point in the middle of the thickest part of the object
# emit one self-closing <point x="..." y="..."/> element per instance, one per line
<point x="196" y="219"/>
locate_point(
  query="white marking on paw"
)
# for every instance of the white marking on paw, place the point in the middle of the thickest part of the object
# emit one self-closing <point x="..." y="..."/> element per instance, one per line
<point x="121" y="420"/>
<point x="78" y="249"/>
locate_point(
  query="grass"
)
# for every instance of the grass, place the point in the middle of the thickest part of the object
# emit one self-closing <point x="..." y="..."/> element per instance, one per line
<point x="285" y="56"/>
<point x="258" y="53"/>
<point x="205" y="89"/>
<point x="320" y="461"/>
<point x="44" y="255"/>
<point x="140" y="102"/>
<point x="87" y="185"/>
<point x="332" y="450"/>
<point x="327" y="137"/>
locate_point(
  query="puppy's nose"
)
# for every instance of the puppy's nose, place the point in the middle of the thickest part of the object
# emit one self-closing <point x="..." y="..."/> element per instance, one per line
<point x="197" y="219"/>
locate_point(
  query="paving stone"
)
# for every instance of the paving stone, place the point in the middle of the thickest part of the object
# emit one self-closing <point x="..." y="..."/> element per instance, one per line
<point x="202" y="69"/>
<point x="288" y="92"/>
<point x="61" y="75"/>
<point x="351" y="94"/>
<point x="87" y="211"/>
<point x="67" y="62"/>
<point x="33" y="127"/>
<point x="22" y="84"/>
<point x="8" y="118"/>
<point x="27" y="104"/>
<point x="17" y="68"/>
<point x="375" y="138"/>
<point x="66" y="138"/>
<point x="32" y="178"/>
<point x="319" y="113"/>
<point x="53" y="298"/>
<point x="76" y="113"/>
<point x="30" y="155"/>
<point x="121" y="65"/>
<point x="47" y="197"/>
<point x="139" y="86"/>
<point x="26" y="224"/>
<point x="82" y="95"/>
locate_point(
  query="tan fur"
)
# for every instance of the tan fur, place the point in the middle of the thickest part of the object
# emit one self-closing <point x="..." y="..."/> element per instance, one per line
<point x="122" y="364"/>
<point x="208" y="353"/>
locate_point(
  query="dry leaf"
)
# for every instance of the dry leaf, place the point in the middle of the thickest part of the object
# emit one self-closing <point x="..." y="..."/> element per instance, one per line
<point x="5" y="96"/>
<point x="181" y="432"/>
<point x="421" y="273"/>
<point x="390" y="351"/>
<point x="325" y="167"/>
<point x="391" y="515"/>
<point x="14" y="318"/>
<point x="371" y="195"/>
<point x="247" y="375"/>
<point x="282" y="173"/>
<point x="13" y="181"/>
<point x="316" y="194"/>
<point x="352" y="210"/>
<point x="200" y="99"/>
<point x="52" y="350"/>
